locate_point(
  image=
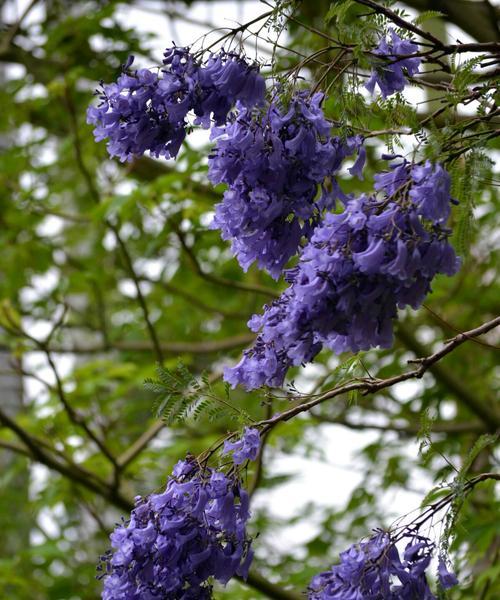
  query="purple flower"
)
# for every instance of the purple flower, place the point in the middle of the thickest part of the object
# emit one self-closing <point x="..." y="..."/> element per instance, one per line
<point x="177" y="540"/>
<point x="357" y="270"/>
<point x="246" y="448"/>
<point x="431" y="192"/>
<point x="145" y="111"/>
<point x="374" y="570"/>
<point x="392" y="182"/>
<point x="388" y="73"/>
<point x="446" y="578"/>
<point x="275" y="162"/>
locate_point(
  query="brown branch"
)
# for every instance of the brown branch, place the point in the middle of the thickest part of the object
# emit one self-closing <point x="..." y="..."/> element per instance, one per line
<point x="482" y="27"/>
<point x="437" y="506"/>
<point x="259" y="461"/>
<point x="195" y="300"/>
<point x="450" y="381"/>
<point x="370" y="386"/>
<point x="205" y="347"/>
<point x="75" y="417"/>
<point x="140" y="443"/>
<point x="173" y="14"/>
<point x="43" y="346"/>
<point x="445" y="323"/>
<point x="14" y="29"/>
<point x="444" y="49"/>
<point x="70" y="470"/>
<point x="42" y="69"/>
<point x="140" y="296"/>
<point x="239" y="29"/>
<point x="257" y="289"/>
<point x="17" y="448"/>
<point x="145" y="168"/>
<point x="409" y="429"/>
<point x="145" y="438"/>
<point x="492" y="47"/>
<point x="391" y="15"/>
<point x="269" y="589"/>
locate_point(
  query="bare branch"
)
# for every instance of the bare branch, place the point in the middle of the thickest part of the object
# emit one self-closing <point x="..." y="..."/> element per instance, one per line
<point x="258" y="289"/>
<point x="196" y="301"/>
<point x="269" y="589"/>
<point x="14" y="29"/>
<point x="68" y="469"/>
<point x="145" y="438"/>
<point x="391" y="15"/>
<point x="369" y="386"/>
<point x="483" y="27"/>
<point x="205" y="347"/>
<point x="450" y="381"/>
<point x="140" y="296"/>
<point x="450" y="427"/>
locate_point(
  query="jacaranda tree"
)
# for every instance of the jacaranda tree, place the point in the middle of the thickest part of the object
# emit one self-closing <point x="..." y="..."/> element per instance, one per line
<point x="177" y="315"/>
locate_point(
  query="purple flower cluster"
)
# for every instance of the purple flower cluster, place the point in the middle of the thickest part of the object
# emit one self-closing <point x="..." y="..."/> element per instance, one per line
<point x="177" y="540"/>
<point x="374" y="570"/>
<point x="246" y="448"/>
<point x="446" y="578"/>
<point x="388" y="73"/>
<point x="359" y="267"/>
<point x="275" y="161"/>
<point x="430" y="187"/>
<point x="148" y="111"/>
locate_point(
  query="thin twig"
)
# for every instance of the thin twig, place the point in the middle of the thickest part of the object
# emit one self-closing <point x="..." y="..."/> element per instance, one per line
<point x="370" y="386"/>
<point x="258" y="289"/>
<point x="202" y="347"/>
<point x="409" y="429"/>
<point x="390" y="14"/>
<point x="14" y="29"/>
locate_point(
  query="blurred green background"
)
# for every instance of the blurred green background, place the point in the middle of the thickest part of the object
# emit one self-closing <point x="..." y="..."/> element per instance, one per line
<point x="107" y="269"/>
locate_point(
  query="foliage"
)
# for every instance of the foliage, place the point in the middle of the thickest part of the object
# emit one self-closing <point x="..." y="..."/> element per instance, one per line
<point x="111" y="269"/>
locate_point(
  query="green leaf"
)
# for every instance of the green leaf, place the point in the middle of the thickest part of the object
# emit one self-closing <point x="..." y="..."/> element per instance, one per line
<point x="338" y="11"/>
<point x="426" y="15"/>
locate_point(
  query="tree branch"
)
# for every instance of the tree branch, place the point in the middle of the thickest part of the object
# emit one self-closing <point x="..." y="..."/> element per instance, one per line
<point x="196" y="301"/>
<point x="13" y="30"/>
<point x="145" y="438"/>
<point x="455" y="384"/>
<point x="483" y="27"/>
<point x="140" y="296"/>
<point x="74" y="416"/>
<point x="205" y="347"/>
<point x="450" y="427"/>
<point x="69" y="470"/>
<point x="269" y="589"/>
<point x="258" y="289"/>
<point x="392" y="16"/>
<point x="369" y="386"/>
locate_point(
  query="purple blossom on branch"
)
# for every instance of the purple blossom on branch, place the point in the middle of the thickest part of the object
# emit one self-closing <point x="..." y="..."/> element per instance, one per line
<point x="146" y="111"/>
<point x="358" y="269"/>
<point x="375" y="570"/>
<point x="246" y="448"/>
<point x="179" y="539"/>
<point x="446" y="578"/>
<point x="388" y="72"/>
<point x="275" y="162"/>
